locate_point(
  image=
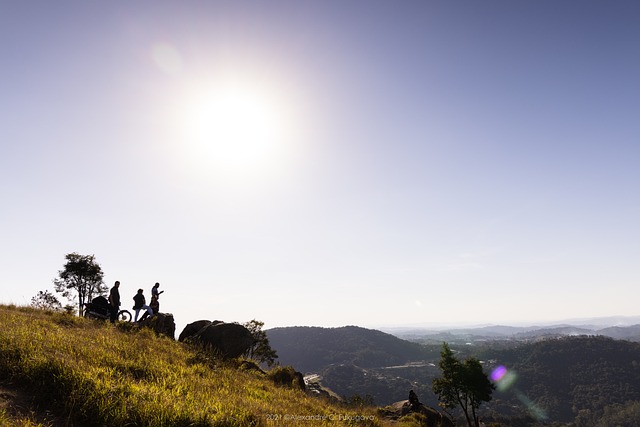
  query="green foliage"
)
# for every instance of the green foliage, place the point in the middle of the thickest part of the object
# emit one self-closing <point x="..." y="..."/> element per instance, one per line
<point x="620" y="415"/>
<point x="462" y="384"/>
<point x="260" y="350"/>
<point x="574" y="378"/>
<point x="96" y="374"/>
<point x="286" y="376"/>
<point x="81" y="278"/>
<point x="449" y="386"/>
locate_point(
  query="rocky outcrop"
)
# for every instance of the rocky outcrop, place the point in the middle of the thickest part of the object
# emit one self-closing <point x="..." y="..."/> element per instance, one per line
<point x="161" y="323"/>
<point x="192" y="329"/>
<point x="226" y="339"/>
<point x="433" y="417"/>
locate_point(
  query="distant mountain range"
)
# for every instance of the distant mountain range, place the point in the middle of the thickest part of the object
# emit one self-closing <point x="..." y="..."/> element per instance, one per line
<point x="627" y="328"/>
<point x="588" y="322"/>
<point x="312" y="349"/>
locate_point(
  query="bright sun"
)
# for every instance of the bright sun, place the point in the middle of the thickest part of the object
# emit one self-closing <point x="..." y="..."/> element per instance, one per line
<point x="237" y="130"/>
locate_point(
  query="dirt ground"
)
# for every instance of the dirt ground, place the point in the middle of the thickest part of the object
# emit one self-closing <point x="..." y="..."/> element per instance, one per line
<point x="18" y="406"/>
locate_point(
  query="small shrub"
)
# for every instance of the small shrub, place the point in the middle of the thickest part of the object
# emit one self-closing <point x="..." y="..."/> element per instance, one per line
<point x="248" y="365"/>
<point x="286" y="376"/>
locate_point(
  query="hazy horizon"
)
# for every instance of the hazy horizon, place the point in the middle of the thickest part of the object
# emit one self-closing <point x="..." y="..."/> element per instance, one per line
<point x="327" y="163"/>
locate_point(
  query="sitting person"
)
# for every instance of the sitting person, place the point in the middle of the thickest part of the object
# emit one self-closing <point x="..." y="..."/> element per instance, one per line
<point x="141" y="304"/>
<point x="155" y="304"/>
<point x="414" y="402"/>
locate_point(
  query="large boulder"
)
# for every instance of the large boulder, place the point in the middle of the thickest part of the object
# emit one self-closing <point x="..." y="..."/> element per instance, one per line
<point x="226" y="339"/>
<point x="435" y="417"/>
<point x="162" y="324"/>
<point x="192" y="329"/>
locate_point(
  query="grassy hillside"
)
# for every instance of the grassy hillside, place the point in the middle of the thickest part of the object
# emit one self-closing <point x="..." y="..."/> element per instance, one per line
<point x="74" y="372"/>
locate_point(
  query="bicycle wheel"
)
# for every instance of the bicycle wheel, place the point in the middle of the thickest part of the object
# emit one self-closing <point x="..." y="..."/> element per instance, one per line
<point x="124" y="315"/>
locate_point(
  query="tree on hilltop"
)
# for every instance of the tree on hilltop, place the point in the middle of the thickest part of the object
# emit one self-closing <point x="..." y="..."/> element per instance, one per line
<point x="462" y="384"/>
<point x="260" y="350"/>
<point x="81" y="278"/>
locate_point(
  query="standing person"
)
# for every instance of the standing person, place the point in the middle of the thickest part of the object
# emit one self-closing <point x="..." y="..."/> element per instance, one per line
<point x="155" y="298"/>
<point x="140" y="304"/>
<point x="154" y="290"/>
<point x="114" y="301"/>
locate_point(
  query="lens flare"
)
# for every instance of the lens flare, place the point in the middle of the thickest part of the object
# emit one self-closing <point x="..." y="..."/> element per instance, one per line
<point x="505" y="380"/>
<point x="537" y="412"/>
<point x="498" y="373"/>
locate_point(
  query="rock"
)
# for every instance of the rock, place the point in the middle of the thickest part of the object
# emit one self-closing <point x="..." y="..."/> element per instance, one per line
<point x="192" y="328"/>
<point x="314" y="387"/>
<point x="161" y="323"/>
<point x="434" y="417"/>
<point x="401" y="408"/>
<point x="227" y="339"/>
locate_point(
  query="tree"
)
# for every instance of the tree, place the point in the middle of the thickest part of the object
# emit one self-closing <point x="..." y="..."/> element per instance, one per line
<point x="261" y="350"/>
<point x="45" y="300"/>
<point x="463" y="385"/>
<point x="82" y="278"/>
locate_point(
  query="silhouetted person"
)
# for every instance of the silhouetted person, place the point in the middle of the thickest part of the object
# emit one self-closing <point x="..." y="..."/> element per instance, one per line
<point x="413" y="401"/>
<point x="155" y="298"/>
<point x="114" y="301"/>
<point x="155" y="292"/>
<point x="155" y="304"/>
<point x="141" y="304"/>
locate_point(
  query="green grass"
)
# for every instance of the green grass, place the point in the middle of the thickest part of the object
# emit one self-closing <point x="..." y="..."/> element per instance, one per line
<point x="89" y="373"/>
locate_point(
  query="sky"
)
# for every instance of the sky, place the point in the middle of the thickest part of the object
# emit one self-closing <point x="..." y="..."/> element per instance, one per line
<point x="326" y="163"/>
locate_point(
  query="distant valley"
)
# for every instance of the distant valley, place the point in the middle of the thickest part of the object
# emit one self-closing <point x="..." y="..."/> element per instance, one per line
<point x="561" y="372"/>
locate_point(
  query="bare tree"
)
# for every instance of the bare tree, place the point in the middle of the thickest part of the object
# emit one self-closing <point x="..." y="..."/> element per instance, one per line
<point x="45" y="300"/>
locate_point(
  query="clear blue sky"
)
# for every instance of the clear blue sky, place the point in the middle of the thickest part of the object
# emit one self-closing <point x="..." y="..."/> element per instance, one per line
<point x="330" y="162"/>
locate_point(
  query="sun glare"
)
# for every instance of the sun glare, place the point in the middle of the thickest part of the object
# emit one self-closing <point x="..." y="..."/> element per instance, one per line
<point x="236" y="130"/>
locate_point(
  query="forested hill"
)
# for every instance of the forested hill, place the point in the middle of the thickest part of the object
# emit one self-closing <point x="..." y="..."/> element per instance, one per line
<point x="310" y="349"/>
<point x="574" y="376"/>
